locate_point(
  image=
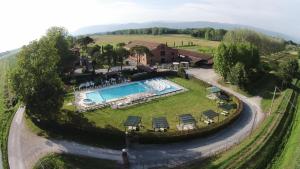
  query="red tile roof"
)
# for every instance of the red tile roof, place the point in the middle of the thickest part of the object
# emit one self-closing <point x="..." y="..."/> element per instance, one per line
<point x="195" y="56"/>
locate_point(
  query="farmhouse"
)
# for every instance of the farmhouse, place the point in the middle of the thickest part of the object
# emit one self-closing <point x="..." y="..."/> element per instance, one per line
<point x="195" y="58"/>
<point x="160" y="53"/>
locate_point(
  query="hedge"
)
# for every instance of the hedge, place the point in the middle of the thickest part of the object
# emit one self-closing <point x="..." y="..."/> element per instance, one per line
<point x="91" y="132"/>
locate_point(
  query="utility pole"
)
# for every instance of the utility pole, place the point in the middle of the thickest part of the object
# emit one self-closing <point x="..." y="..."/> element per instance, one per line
<point x="272" y="101"/>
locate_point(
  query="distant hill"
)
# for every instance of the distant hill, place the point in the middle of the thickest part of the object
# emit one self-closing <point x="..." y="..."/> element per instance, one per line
<point x="177" y="25"/>
<point x="9" y="53"/>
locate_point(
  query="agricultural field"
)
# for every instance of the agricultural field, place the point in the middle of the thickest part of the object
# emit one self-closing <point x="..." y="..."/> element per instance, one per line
<point x="181" y="41"/>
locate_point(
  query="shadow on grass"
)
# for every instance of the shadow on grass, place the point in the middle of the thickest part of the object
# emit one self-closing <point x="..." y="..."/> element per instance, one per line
<point x="67" y="161"/>
<point x="74" y="126"/>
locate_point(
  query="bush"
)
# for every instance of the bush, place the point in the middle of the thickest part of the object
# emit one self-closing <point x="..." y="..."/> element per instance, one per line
<point x="288" y="70"/>
<point x="181" y="73"/>
<point x="238" y="75"/>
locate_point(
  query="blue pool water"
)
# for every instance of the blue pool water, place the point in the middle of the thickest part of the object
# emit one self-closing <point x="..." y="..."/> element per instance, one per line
<point x="121" y="91"/>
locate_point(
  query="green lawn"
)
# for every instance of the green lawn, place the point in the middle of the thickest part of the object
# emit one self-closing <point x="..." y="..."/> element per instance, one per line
<point x="63" y="161"/>
<point x="193" y="101"/>
<point x="169" y="39"/>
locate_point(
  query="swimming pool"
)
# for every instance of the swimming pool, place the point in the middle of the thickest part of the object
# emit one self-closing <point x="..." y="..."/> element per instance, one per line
<point x="154" y="86"/>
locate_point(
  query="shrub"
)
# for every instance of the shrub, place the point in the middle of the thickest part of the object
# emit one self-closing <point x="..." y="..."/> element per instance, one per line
<point x="181" y="73"/>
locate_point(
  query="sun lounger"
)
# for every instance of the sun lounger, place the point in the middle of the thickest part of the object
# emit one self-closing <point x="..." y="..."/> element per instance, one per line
<point x="225" y="113"/>
<point x="206" y="121"/>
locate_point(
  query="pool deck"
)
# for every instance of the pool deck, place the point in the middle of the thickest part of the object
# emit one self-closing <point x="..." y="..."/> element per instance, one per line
<point x="125" y="101"/>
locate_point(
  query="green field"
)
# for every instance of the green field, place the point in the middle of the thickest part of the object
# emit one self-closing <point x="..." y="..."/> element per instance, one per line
<point x="193" y="101"/>
<point x="63" y="161"/>
<point x="201" y="45"/>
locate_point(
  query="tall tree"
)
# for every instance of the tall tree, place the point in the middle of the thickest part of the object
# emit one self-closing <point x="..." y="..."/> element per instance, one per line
<point x="225" y="59"/>
<point x="95" y="53"/>
<point x="36" y="80"/>
<point x="62" y="42"/>
<point x="84" y="42"/>
<point x="108" y="55"/>
<point x="239" y="75"/>
<point x="122" y="54"/>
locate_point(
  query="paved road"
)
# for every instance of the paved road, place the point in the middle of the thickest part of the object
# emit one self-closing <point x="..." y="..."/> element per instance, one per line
<point x="26" y="148"/>
<point x="147" y="156"/>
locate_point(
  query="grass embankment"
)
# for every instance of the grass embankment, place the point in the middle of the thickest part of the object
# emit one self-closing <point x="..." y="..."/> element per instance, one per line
<point x="290" y="157"/>
<point x="63" y="161"/>
<point x="201" y="45"/>
<point x="6" y="112"/>
<point x="259" y="149"/>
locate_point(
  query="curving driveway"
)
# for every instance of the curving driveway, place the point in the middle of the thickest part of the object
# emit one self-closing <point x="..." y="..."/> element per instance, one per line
<point x="148" y="156"/>
<point x="25" y="148"/>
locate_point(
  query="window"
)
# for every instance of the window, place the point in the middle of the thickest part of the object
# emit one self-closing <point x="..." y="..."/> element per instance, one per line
<point x="162" y="53"/>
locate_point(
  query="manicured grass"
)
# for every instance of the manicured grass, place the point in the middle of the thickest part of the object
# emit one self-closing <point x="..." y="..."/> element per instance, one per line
<point x="170" y="39"/>
<point x="63" y="161"/>
<point x="193" y="101"/>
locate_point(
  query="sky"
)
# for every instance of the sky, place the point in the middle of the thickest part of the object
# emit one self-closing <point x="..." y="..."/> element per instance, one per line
<point x="25" y="20"/>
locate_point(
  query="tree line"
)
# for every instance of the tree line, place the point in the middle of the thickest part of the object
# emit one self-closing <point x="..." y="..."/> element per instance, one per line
<point x="239" y="63"/>
<point x="266" y="44"/>
<point x="109" y="55"/>
<point x="205" y="33"/>
<point x="209" y="33"/>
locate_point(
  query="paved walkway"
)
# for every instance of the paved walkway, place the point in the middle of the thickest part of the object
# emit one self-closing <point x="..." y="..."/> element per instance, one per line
<point x="25" y="148"/>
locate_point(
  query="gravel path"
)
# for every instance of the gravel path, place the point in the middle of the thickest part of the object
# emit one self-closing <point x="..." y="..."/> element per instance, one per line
<point x="26" y="148"/>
